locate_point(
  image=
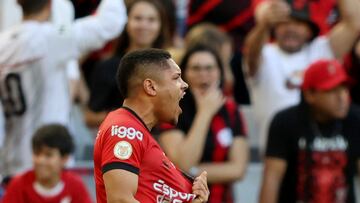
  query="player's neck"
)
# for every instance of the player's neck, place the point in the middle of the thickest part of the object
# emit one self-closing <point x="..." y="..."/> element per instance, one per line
<point x="145" y="112"/>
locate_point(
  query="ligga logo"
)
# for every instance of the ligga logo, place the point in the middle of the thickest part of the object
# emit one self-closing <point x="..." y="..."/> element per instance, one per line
<point x="123" y="132"/>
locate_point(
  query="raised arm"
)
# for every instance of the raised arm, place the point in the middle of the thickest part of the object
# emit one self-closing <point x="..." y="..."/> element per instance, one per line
<point x="120" y="186"/>
<point x="268" y="13"/>
<point x="94" y="31"/>
<point x="342" y="37"/>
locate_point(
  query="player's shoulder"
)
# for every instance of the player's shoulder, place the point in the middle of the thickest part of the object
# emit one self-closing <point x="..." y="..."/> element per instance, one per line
<point x="123" y="124"/>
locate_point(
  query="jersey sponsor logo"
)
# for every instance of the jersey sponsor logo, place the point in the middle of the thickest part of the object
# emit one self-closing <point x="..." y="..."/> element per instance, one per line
<point x="168" y="194"/>
<point x="123" y="150"/>
<point x="130" y="133"/>
<point x="322" y="144"/>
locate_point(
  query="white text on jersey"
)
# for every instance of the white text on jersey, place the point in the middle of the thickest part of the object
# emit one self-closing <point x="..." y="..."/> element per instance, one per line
<point x="122" y="132"/>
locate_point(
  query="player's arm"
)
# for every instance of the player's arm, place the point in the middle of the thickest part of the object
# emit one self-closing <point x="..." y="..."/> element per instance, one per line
<point x="120" y="186"/>
<point x="273" y="174"/>
<point x="232" y="170"/>
<point x="342" y="37"/>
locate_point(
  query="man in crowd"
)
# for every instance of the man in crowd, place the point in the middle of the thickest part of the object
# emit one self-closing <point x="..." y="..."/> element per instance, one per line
<point x="129" y="164"/>
<point x="275" y="69"/>
<point x="313" y="149"/>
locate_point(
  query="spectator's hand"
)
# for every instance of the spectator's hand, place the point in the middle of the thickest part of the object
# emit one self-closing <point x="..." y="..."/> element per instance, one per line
<point x="271" y="12"/>
<point x="210" y="100"/>
<point x="200" y="188"/>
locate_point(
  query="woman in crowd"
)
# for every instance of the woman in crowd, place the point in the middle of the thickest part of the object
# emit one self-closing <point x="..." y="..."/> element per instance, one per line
<point x="147" y="26"/>
<point x="210" y="134"/>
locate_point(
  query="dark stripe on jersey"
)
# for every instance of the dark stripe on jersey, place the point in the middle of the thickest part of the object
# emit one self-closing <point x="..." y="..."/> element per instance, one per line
<point x="120" y="165"/>
<point x="134" y="113"/>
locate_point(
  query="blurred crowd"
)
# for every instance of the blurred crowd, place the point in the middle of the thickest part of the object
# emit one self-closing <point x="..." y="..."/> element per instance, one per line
<point x="294" y="63"/>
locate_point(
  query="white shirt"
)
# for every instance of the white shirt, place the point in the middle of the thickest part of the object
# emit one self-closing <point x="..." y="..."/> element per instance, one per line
<point x="33" y="58"/>
<point x="270" y="90"/>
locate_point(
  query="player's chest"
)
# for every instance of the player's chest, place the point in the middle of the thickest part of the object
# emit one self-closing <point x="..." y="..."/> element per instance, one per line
<point x="164" y="181"/>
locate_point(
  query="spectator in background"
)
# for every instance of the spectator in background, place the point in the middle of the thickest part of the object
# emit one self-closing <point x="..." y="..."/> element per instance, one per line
<point x="146" y="27"/>
<point x="48" y="182"/>
<point x="324" y="13"/>
<point x="32" y="59"/>
<point x="313" y="149"/>
<point x="236" y="19"/>
<point x="275" y="69"/>
<point x="209" y="35"/>
<point x="210" y="135"/>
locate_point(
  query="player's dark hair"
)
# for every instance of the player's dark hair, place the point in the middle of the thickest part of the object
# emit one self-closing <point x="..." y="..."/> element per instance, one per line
<point x="53" y="136"/>
<point x="32" y="6"/>
<point x="136" y="62"/>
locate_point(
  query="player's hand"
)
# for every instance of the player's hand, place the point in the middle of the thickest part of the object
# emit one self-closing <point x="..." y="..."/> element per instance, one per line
<point x="209" y="101"/>
<point x="200" y="188"/>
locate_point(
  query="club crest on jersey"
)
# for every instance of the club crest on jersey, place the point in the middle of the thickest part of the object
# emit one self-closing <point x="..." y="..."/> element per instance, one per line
<point x="123" y="150"/>
<point x="130" y="133"/>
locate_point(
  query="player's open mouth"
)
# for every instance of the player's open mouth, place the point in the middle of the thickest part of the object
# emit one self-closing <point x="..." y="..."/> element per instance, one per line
<point x="183" y="94"/>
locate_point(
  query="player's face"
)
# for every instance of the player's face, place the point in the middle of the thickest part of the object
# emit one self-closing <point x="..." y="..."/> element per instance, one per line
<point x="143" y="24"/>
<point x="202" y="71"/>
<point x="48" y="163"/>
<point x="334" y="103"/>
<point x="292" y="35"/>
<point x="171" y="90"/>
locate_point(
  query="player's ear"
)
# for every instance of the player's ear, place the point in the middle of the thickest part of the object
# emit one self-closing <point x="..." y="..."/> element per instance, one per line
<point x="149" y="87"/>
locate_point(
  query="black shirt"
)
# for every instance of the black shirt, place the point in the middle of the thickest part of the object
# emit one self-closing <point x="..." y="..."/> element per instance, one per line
<point x="104" y="92"/>
<point x="322" y="171"/>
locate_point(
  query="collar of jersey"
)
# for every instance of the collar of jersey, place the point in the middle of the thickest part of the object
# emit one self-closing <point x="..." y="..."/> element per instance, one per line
<point x="134" y="113"/>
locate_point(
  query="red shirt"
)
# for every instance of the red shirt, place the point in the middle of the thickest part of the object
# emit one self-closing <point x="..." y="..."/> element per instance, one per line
<point x="124" y="142"/>
<point x="22" y="190"/>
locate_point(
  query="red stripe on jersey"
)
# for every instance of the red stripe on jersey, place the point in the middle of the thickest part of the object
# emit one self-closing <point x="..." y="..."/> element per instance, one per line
<point x="238" y="20"/>
<point x="202" y="11"/>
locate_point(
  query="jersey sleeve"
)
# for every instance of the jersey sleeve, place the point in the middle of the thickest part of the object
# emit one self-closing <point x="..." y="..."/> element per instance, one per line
<point x="123" y="147"/>
<point x="70" y="41"/>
